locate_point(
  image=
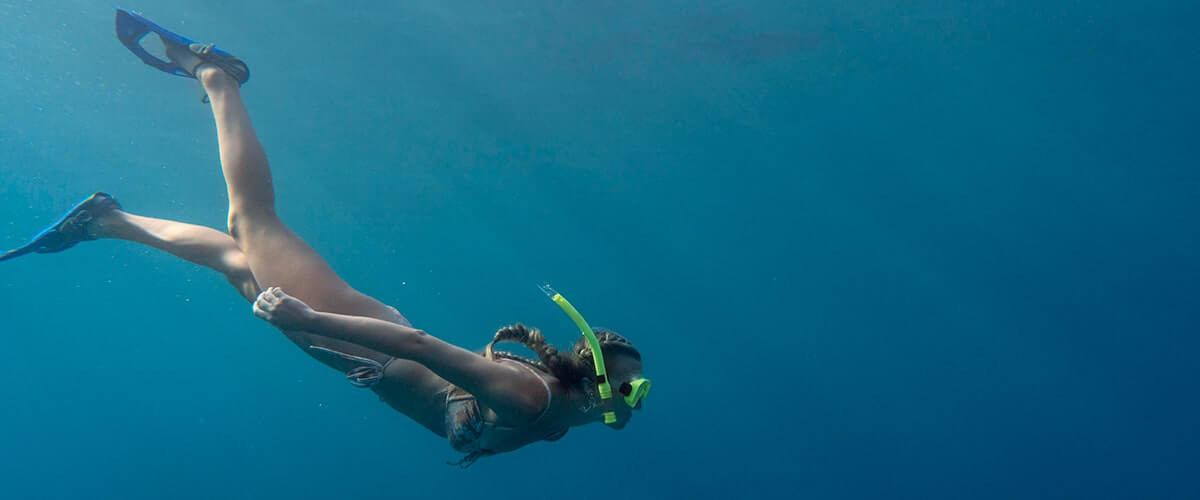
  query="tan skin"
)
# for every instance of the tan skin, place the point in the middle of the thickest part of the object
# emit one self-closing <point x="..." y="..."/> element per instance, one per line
<point x="260" y="254"/>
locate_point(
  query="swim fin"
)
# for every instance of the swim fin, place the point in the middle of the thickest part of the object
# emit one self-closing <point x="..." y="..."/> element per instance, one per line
<point x="68" y="230"/>
<point x="131" y="28"/>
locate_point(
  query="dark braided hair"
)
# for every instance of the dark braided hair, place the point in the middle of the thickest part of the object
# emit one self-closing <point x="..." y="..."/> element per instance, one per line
<point x="568" y="369"/>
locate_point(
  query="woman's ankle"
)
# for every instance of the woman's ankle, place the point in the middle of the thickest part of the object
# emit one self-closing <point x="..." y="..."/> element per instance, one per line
<point x="214" y="79"/>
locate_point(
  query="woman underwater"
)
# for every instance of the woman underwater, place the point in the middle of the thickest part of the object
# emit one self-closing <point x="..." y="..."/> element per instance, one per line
<point x="483" y="404"/>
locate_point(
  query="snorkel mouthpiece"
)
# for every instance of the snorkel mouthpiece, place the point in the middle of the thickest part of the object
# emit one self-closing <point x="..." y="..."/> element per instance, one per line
<point x="610" y="417"/>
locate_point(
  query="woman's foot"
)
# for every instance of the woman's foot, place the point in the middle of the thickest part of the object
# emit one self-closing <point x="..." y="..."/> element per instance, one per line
<point x="202" y="60"/>
<point x="109" y="224"/>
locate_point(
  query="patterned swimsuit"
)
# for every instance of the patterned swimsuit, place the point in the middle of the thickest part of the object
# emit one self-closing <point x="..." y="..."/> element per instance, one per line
<point x="466" y="427"/>
<point x="468" y="430"/>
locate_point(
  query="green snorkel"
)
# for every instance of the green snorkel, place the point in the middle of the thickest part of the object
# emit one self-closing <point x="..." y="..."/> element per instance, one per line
<point x="610" y="417"/>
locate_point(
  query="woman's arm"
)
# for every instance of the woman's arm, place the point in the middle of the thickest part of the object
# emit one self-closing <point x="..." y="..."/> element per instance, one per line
<point x="512" y="393"/>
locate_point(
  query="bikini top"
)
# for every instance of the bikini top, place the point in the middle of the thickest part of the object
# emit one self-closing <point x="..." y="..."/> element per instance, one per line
<point x="467" y="427"/>
<point x="470" y="431"/>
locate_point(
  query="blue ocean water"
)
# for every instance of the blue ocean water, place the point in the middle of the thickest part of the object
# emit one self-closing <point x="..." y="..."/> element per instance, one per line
<point x="916" y="249"/>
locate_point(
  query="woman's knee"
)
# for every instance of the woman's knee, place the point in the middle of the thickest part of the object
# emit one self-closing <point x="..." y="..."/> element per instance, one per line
<point x="234" y="223"/>
<point x="236" y="269"/>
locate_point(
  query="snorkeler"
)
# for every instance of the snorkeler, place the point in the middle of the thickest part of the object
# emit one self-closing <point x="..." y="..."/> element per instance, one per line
<point x="483" y="404"/>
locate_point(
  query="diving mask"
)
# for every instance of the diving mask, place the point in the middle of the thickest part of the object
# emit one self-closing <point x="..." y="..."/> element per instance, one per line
<point x="635" y="391"/>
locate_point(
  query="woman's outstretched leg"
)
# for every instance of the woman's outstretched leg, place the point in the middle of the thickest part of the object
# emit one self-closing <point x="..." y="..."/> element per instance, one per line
<point x="200" y="245"/>
<point x="277" y="256"/>
<point x="100" y="216"/>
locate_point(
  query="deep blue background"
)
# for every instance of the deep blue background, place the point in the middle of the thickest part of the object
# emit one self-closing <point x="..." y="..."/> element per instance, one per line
<point x="869" y="249"/>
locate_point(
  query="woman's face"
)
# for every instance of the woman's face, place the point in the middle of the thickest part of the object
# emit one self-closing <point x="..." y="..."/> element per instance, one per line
<point x="622" y="368"/>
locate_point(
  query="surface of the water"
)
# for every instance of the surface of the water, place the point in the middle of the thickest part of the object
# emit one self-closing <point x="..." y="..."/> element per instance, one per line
<point x="869" y="249"/>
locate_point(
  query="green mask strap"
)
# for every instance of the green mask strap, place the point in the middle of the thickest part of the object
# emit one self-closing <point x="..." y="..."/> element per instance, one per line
<point x="597" y="358"/>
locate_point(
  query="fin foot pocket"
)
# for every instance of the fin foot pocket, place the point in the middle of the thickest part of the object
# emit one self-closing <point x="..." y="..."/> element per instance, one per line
<point x="69" y="229"/>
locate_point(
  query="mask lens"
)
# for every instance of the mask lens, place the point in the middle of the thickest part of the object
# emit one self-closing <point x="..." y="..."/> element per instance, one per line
<point x="635" y="391"/>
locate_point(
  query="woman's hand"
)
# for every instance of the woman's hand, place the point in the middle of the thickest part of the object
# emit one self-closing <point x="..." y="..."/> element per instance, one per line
<point x="282" y="310"/>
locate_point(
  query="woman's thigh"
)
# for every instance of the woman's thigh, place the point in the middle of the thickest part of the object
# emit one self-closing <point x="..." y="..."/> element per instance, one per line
<point x="279" y="257"/>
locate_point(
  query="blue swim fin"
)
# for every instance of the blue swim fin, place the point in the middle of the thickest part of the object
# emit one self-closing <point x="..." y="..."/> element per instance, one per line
<point x="131" y="28"/>
<point x="68" y="230"/>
